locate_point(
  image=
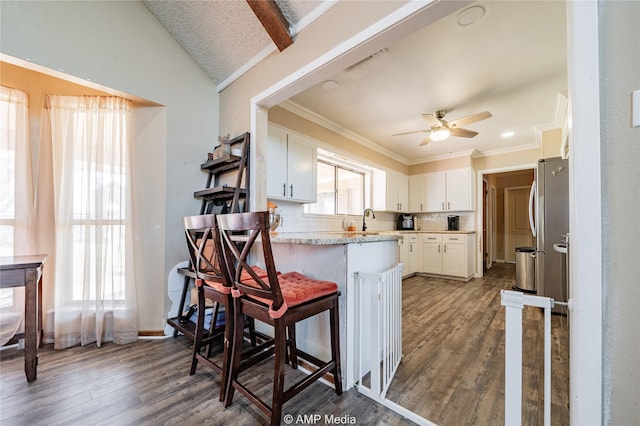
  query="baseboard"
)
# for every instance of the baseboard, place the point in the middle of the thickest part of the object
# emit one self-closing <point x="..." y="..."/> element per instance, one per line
<point x="150" y="333"/>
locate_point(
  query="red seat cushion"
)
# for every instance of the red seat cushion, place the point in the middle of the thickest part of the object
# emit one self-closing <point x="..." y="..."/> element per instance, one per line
<point x="297" y="289"/>
<point x="219" y="286"/>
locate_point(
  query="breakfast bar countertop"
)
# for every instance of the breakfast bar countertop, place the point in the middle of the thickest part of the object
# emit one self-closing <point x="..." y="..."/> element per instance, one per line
<point x="332" y="238"/>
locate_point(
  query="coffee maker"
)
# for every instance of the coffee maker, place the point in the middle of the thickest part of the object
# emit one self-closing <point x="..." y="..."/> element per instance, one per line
<point x="453" y="223"/>
<point x="406" y="222"/>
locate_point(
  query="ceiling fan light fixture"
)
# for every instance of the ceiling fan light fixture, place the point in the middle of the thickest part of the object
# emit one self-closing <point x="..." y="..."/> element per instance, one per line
<point x="440" y="135"/>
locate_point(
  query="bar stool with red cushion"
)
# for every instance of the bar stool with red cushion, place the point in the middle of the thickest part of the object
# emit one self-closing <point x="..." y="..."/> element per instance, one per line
<point x="277" y="300"/>
<point x="213" y="291"/>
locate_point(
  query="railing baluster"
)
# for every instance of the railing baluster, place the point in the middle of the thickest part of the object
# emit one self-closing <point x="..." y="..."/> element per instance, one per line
<point x="514" y="301"/>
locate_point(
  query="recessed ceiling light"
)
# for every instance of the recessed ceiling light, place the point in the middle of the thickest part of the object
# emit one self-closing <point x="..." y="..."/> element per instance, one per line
<point x="330" y="86"/>
<point x="470" y="16"/>
<point x="507" y="134"/>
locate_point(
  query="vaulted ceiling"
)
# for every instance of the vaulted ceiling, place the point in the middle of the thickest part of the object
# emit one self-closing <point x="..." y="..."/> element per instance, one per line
<point x="508" y="58"/>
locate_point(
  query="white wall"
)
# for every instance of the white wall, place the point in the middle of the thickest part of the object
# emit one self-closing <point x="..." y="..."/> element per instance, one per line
<point x="620" y="75"/>
<point x="119" y="44"/>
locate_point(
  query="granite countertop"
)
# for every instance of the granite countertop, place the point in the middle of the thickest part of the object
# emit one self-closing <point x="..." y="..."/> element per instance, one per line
<point x="434" y="232"/>
<point x="332" y="238"/>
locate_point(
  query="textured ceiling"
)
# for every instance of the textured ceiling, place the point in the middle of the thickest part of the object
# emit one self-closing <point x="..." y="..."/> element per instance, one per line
<point x="511" y="62"/>
<point x="221" y="36"/>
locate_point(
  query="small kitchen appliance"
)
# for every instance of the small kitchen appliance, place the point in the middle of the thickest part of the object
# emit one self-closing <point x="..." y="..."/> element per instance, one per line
<point x="406" y="222"/>
<point x="453" y="223"/>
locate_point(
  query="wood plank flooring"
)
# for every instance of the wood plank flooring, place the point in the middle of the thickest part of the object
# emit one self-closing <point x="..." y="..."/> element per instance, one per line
<point x="452" y="373"/>
<point x="148" y="383"/>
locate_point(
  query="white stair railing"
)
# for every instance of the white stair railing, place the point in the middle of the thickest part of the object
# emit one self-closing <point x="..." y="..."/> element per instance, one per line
<point x="514" y="301"/>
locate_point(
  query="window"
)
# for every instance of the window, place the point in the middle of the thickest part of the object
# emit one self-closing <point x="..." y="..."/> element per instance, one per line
<point x="341" y="191"/>
<point x="92" y="160"/>
<point x="15" y="193"/>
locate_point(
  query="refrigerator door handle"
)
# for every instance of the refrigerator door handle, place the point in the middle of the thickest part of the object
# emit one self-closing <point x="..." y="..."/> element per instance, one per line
<point x="532" y="196"/>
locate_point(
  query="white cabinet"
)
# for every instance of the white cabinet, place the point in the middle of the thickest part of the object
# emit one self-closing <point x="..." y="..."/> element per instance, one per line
<point x="408" y="245"/>
<point x="447" y="254"/>
<point x="417" y="194"/>
<point x="431" y="253"/>
<point x="291" y="167"/>
<point x="390" y="191"/>
<point x="397" y="190"/>
<point x="449" y="191"/>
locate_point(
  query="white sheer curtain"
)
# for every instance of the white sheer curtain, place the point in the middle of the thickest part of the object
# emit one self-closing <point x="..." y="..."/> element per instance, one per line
<point x="95" y="292"/>
<point x="16" y="200"/>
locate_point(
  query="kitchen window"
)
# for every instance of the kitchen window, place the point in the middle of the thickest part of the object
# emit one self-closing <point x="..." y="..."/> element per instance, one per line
<point x="341" y="190"/>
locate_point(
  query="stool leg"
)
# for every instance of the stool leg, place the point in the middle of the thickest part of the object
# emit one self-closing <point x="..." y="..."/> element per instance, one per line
<point x="293" y="354"/>
<point x="197" y="340"/>
<point x="236" y="352"/>
<point x="334" y="324"/>
<point x="278" y="374"/>
<point x="227" y="347"/>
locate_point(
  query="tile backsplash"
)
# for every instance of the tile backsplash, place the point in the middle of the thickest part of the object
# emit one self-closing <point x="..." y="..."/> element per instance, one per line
<point x="295" y="220"/>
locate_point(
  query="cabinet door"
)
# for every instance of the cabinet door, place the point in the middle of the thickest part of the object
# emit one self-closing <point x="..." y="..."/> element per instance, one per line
<point x="403" y="193"/>
<point x="276" y="163"/>
<point x="459" y="190"/>
<point x="413" y="256"/>
<point x="431" y="253"/>
<point x="301" y="169"/>
<point x="417" y="199"/>
<point x="391" y="188"/>
<point x="454" y="259"/>
<point x="403" y="244"/>
<point x="435" y="184"/>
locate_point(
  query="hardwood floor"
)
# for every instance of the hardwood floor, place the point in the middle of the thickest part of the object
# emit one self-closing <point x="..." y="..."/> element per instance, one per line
<point x="148" y="383"/>
<point x="452" y="373"/>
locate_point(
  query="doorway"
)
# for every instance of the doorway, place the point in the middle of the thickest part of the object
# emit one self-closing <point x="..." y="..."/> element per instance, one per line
<point x="506" y="213"/>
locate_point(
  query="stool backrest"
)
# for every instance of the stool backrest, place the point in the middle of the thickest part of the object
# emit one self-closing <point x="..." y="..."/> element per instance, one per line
<point x="237" y="248"/>
<point x="203" y="244"/>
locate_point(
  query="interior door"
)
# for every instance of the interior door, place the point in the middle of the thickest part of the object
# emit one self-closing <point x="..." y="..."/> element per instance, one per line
<point x="517" y="232"/>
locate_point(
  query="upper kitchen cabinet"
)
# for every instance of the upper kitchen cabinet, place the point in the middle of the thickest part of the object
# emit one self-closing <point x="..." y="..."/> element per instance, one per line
<point x="397" y="192"/>
<point x="291" y="166"/>
<point x="417" y="194"/>
<point x="390" y="191"/>
<point x="449" y="191"/>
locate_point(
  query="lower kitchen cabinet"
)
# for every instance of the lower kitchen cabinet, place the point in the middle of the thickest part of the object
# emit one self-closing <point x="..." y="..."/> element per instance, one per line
<point x="447" y="254"/>
<point x="408" y="245"/>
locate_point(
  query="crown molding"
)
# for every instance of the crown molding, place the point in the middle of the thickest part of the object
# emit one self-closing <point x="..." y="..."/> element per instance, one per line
<point x="509" y="150"/>
<point x="473" y="153"/>
<point x="307" y="114"/>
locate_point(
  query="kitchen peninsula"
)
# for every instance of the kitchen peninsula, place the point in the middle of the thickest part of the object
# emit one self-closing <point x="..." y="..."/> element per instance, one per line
<point x="336" y="257"/>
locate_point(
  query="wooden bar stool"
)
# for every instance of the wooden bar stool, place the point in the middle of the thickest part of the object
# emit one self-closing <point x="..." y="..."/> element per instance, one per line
<point x="203" y="244"/>
<point x="277" y="300"/>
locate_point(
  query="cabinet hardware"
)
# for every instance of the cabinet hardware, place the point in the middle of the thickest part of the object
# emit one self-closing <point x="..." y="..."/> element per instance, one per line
<point x="453" y="239"/>
<point x="443" y="205"/>
<point x="445" y="248"/>
<point x="291" y="191"/>
<point x="448" y="205"/>
<point x="438" y="248"/>
<point x="284" y="189"/>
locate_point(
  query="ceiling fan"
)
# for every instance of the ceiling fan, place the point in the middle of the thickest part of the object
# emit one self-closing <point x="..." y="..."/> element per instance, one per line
<point x="440" y="129"/>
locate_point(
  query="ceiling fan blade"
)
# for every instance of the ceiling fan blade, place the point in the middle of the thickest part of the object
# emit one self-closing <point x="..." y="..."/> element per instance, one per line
<point x="409" y="133"/>
<point x="425" y="142"/>
<point x="473" y="118"/>
<point x="432" y="120"/>
<point x="463" y="133"/>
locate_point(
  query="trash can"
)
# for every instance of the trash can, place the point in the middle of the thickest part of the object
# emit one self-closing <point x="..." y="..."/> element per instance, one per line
<point x="526" y="269"/>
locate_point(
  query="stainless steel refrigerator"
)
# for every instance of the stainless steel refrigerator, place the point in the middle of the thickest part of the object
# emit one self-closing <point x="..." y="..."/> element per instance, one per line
<point x="549" y="220"/>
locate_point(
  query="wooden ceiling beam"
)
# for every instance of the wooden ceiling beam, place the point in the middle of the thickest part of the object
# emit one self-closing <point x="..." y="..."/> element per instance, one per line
<point x="273" y="22"/>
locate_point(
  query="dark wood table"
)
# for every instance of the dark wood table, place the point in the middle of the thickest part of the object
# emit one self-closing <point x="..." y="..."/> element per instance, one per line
<point x="18" y="271"/>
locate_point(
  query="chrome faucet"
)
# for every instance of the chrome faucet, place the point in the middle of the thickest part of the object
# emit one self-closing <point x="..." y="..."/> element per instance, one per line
<point x="366" y="213"/>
